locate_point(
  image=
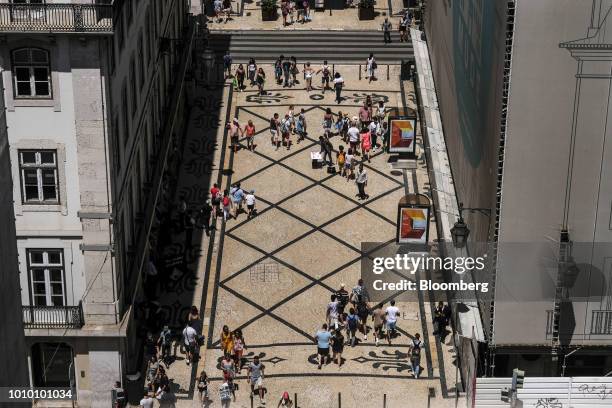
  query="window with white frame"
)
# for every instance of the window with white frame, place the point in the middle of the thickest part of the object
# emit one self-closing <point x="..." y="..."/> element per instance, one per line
<point x="46" y="273"/>
<point x="31" y="73"/>
<point x="39" y="178"/>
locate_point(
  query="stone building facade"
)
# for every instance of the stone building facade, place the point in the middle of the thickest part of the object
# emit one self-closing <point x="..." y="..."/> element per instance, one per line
<point x="94" y="96"/>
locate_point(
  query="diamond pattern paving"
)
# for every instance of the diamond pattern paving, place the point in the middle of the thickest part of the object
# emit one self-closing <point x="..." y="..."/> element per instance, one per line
<point x="282" y="265"/>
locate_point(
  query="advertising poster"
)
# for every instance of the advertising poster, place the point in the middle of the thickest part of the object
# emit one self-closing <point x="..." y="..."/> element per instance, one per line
<point x="402" y="135"/>
<point x="413" y="225"/>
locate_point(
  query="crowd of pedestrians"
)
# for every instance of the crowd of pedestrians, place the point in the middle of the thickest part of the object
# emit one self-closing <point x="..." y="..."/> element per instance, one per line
<point x="347" y="314"/>
<point x="363" y="134"/>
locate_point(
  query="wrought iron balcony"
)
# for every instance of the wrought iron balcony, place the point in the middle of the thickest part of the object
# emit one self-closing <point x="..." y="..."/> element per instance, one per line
<point x="52" y="317"/>
<point x="601" y="323"/>
<point x="56" y="17"/>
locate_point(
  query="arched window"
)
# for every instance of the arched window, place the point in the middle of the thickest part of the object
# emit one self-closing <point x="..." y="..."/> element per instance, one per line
<point x="31" y="73"/>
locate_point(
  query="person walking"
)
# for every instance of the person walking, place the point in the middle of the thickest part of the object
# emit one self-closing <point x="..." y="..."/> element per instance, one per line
<point x="189" y="340"/>
<point x="348" y="164"/>
<point x="415" y="355"/>
<point x="285" y="11"/>
<point x="441" y="319"/>
<point x="227" y="10"/>
<point x="227" y="341"/>
<point x="353" y="136"/>
<point x="164" y="345"/>
<point x="204" y="217"/>
<point x="378" y="319"/>
<point x="261" y="80"/>
<point x="225" y="394"/>
<point x="236" y="133"/>
<point x="294" y="68"/>
<point x="286" y="130"/>
<point x="328" y="120"/>
<point x="308" y="74"/>
<point x="240" y="75"/>
<point x="278" y="69"/>
<point x="338" y="85"/>
<point x="386" y="27"/>
<point x="250" y="202"/>
<point x="341" y="160"/>
<point x="202" y="382"/>
<point x="365" y="115"/>
<point x="237" y="199"/>
<point x="391" y="314"/>
<point x="362" y="181"/>
<point x="216" y="196"/>
<point x="337" y="347"/>
<point x="300" y="126"/>
<point x="239" y="347"/>
<point x="146" y="401"/>
<point x="371" y="66"/>
<point x="331" y="313"/>
<point x="403" y="28"/>
<point x="286" y="72"/>
<point x="306" y="18"/>
<point x="229" y="372"/>
<point x="374" y="129"/>
<point x="352" y="324"/>
<point x="249" y="131"/>
<point x="226" y="202"/>
<point x="366" y="143"/>
<point x="342" y="296"/>
<point x="323" y="337"/>
<point x="118" y="395"/>
<point x="255" y="377"/>
<point x="325" y="75"/>
<point x="381" y="111"/>
<point x="384" y="135"/>
<point x="326" y="150"/>
<point x="227" y="65"/>
<point x="359" y="298"/>
<point x="218" y="7"/>
<point x="252" y="70"/>
<point x="274" y="130"/>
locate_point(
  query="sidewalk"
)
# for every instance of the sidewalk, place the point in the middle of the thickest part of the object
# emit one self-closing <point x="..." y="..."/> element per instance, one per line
<point x="347" y="19"/>
<point x="272" y="275"/>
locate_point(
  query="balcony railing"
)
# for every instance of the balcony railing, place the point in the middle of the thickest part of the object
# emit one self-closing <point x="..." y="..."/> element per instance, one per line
<point x="601" y="322"/>
<point x="52" y="317"/>
<point x="78" y="18"/>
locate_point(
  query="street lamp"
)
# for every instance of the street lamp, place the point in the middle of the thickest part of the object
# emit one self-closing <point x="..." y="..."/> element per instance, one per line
<point x="565" y="359"/>
<point x="460" y="230"/>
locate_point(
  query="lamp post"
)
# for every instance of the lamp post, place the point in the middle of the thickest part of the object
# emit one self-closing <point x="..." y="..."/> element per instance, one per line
<point x="564" y="360"/>
<point x="460" y="231"/>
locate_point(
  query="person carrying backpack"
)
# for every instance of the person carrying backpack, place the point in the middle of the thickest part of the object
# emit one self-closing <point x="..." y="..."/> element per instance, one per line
<point x="286" y="130"/>
<point x="415" y="355"/>
<point x="326" y="75"/>
<point x="352" y="323"/>
<point x="278" y="69"/>
<point x="164" y="344"/>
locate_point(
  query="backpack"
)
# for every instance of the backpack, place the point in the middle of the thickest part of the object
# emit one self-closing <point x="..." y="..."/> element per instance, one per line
<point x="416" y="348"/>
<point x="326" y="72"/>
<point x="352" y="321"/>
<point x="165" y="337"/>
<point x="362" y="307"/>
